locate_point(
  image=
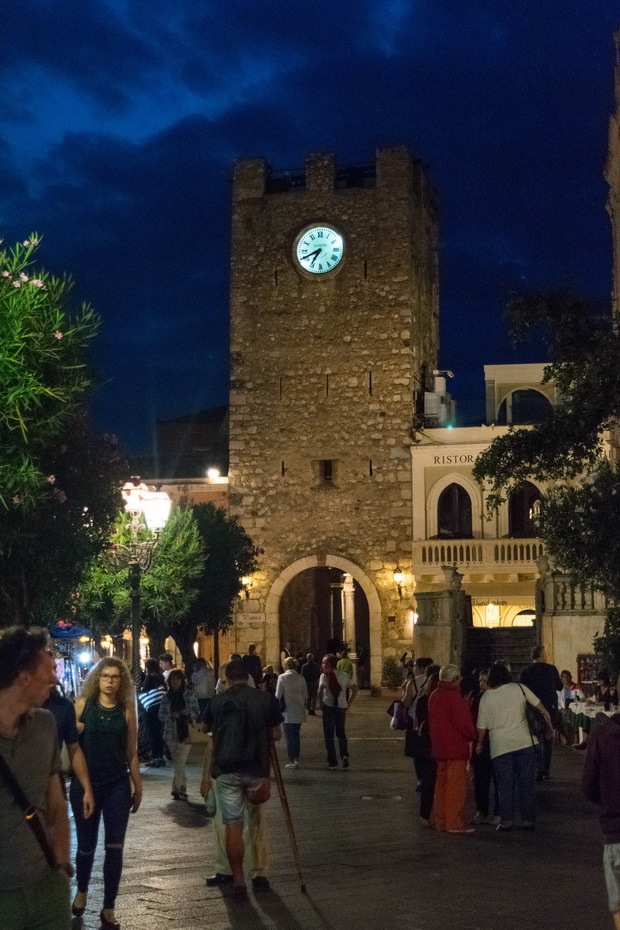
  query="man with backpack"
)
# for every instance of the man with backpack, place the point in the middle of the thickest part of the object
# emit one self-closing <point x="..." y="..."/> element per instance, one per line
<point x="244" y="722"/>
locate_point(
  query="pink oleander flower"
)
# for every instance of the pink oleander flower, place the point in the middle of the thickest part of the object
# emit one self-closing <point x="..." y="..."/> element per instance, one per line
<point x="17" y="283"/>
<point x="52" y="479"/>
<point x="17" y="499"/>
<point x="28" y="242"/>
<point x="37" y="282"/>
<point x="58" y="334"/>
<point x="23" y="276"/>
<point x="5" y="274"/>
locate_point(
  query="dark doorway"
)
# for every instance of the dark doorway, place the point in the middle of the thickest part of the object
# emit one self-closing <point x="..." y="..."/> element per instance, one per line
<point x="454" y="513"/>
<point x="522" y="522"/>
<point x="311" y="616"/>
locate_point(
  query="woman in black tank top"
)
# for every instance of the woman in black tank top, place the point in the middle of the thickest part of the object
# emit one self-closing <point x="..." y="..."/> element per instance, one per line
<point x="106" y="720"/>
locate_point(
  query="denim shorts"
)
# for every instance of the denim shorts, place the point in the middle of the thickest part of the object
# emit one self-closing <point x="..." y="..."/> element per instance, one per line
<point x="611" y="862"/>
<point x="231" y="792"/>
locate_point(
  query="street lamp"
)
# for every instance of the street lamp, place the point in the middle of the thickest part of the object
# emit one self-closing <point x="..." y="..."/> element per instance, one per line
<point x="399" y="577"/>
<point x="154" y="506"/>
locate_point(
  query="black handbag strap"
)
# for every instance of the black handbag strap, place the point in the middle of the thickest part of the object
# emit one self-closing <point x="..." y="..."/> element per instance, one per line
<point x="528" y="725"/>
<point x="30" y="812"/>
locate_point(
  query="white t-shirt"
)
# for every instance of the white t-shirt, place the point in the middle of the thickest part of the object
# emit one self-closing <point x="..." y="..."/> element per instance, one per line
<point x="343" y="680"/>
<point x="502" y="713"/>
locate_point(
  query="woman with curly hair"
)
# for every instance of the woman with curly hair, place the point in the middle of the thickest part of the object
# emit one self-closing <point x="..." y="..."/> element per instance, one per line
<point x="106" y="721"/>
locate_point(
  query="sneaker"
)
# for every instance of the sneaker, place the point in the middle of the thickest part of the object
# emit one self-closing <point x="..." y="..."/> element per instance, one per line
<point x="345" y="762"/>
<point x="260" y="883"/>
<point x="503" y="827"/>
<point x="292" y="765"/>
<point x="495" y="820"/>
<point x="479" y="818"/>
<point x="218" y="879"/>
<point x="332" y="766"/>
<point x="463" y="830"/>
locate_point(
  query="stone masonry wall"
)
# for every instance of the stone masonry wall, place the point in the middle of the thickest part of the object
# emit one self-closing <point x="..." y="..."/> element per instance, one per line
<point x="326" y="369"/>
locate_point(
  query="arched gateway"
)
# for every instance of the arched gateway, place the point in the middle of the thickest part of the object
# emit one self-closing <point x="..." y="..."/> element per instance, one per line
<point x="272" y="609"/>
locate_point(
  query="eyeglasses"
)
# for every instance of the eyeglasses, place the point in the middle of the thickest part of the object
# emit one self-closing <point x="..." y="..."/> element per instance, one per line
<point x="110" y="677"/>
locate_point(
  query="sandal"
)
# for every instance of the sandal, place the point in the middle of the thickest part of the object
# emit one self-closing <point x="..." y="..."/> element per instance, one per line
<point x="108" y="924"/>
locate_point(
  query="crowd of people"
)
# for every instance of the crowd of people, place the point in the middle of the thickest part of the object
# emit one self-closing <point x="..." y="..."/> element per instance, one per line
<point x="456" y="725"/>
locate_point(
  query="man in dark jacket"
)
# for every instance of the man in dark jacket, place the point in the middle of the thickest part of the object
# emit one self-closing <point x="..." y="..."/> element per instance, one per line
<point x="311" y="671"/>
<point x="601" y="784"/>
<point x="544" y="680"/>
<point x="253" y="665"/>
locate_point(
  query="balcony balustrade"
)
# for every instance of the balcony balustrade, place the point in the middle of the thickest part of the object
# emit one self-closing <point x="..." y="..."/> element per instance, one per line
<point x="478" y="556"/>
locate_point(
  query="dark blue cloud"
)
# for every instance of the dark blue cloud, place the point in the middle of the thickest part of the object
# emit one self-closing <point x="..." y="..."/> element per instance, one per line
<point x="123" y="119"/>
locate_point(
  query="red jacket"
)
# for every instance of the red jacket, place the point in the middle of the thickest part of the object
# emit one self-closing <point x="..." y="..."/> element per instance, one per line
<point x="450" y="723"/>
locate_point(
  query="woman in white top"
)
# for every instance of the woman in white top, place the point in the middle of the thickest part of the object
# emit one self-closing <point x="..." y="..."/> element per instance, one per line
<point x="513" y="752"/>
<point x="292" y="692"/>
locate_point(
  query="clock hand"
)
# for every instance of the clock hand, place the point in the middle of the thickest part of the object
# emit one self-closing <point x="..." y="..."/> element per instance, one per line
<point x="313" y="256"/>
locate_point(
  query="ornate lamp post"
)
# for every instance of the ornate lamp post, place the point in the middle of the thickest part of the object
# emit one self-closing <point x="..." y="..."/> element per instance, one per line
<point x="154" y="506"/>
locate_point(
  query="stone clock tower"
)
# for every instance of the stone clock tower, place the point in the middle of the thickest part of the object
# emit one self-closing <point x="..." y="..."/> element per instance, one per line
<point x="334" y="309"/>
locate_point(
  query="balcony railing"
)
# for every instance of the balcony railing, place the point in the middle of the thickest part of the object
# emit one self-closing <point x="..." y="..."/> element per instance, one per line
<point x="476" y="555"/>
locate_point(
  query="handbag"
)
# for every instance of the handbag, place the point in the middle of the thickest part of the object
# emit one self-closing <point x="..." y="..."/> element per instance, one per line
<point x="400" y="715"/>
<point x="536" y="722"/>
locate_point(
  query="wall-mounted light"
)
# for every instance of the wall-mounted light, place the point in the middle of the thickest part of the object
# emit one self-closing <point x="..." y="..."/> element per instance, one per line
<point x="399" y="578"/>
<point x="213" y="473"/>
<point x="246" y="581"/>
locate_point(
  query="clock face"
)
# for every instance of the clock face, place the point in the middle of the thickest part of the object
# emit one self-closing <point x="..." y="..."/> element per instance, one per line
<point x="319" y="249"/>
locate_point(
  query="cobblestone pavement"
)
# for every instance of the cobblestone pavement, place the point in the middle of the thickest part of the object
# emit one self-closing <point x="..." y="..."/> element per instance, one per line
<point x="367" y="861"/>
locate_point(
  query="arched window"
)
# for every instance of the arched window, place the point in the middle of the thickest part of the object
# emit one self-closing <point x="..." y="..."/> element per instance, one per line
<point x="521" y="512"/>
<point x="524" y="407"/>
<point x="454" y="513"/>
<point x="525" y="618"/>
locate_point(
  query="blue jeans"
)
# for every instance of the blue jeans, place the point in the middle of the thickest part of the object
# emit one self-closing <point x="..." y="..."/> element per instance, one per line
<point x="113" y="803"/>
<point x="516" y="770"/>
<point x="293" y="740"/>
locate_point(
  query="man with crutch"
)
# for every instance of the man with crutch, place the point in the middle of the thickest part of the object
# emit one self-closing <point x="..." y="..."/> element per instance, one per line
<point x="244" y="722"/>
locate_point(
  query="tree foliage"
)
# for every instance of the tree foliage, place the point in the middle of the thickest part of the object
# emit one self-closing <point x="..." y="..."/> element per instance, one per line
<point x="43" y="369"/>
<point x="580" y="512"/>
<point x="168" y="585"/>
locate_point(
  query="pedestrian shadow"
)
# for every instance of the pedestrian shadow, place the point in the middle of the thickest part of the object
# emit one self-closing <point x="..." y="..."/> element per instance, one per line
<point x="283" y="919"/>
<point x="188" y="814"/>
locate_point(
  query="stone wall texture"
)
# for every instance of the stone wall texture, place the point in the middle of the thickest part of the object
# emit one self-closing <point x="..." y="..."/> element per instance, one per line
<point x="327" y="369"/>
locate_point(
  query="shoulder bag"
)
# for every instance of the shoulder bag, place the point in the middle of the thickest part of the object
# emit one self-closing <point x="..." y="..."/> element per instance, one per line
<point x="535" y="720"/>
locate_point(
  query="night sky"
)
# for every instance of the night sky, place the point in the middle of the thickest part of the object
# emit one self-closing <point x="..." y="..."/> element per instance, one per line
<point x="120" y="121"/>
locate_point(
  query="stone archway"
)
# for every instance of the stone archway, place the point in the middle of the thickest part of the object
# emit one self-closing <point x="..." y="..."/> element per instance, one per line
<point x="272" y="618"/>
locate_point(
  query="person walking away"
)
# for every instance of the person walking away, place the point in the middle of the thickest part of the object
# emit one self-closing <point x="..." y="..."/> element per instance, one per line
<point x="106" y="721"/>
<point x="34" y="893"/>
<point x="482" y="765"/>
<point x="63" y="712"/>
<point x="153" y="690"/>
<point x="254" y="834"/>
<point x="426" y="765"/>
<point x="601" y="785"/>
<point x="253" y="665"/>
<point x="203" y="684"/>
<point x="334" y="704"/>
<point x="179" y="708"/>
<point x="452" y="730"/>
<point x="166" y="664"/>
<point x="513" y="748"/>
<point x="345" y="664"/>
<point x="311" y="672"/>
<point x="270" y="680"/>
<point x="243" y="721"/>
<point x="292" y="693"/>
<point x="544" y="680"/>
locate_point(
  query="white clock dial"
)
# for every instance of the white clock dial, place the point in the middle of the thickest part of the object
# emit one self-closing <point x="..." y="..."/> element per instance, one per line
<point x="319" y="249"/>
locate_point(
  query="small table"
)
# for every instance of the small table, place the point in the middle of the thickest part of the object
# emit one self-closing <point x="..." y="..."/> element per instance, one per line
<point x="582" y="714"/>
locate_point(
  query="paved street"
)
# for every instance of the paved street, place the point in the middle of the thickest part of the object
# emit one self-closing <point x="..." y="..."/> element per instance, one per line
<point x="367" y="861"/>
